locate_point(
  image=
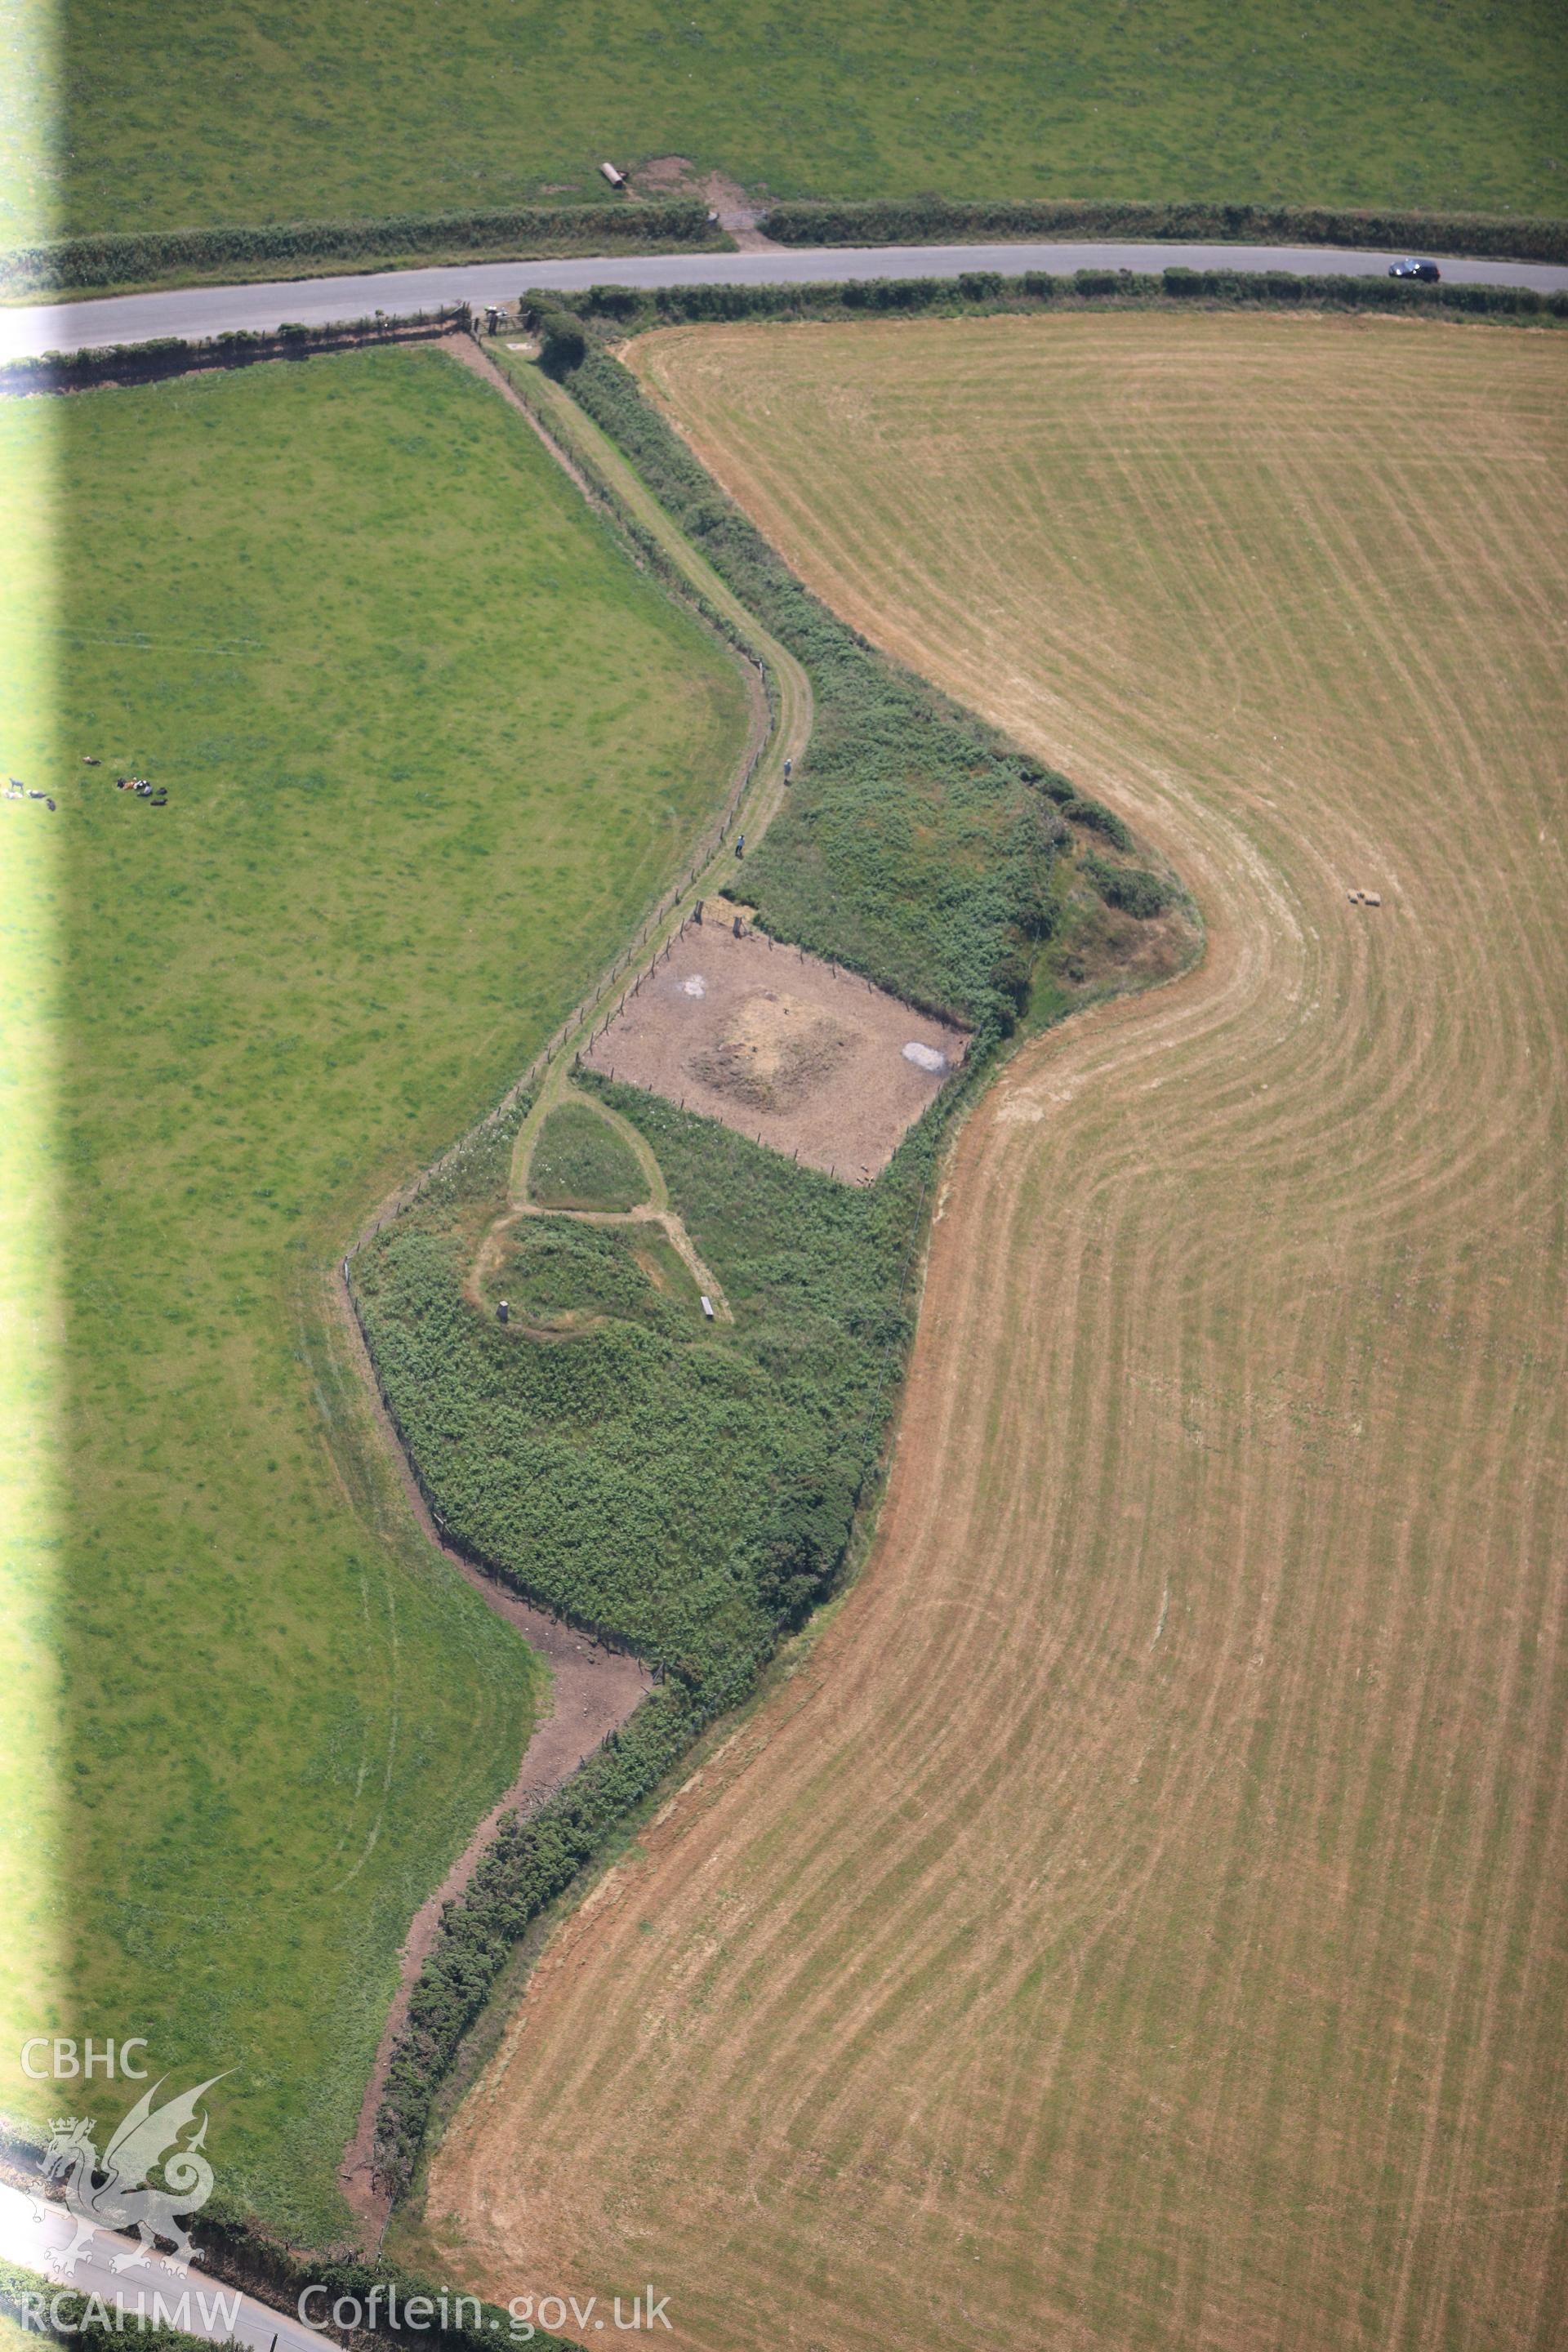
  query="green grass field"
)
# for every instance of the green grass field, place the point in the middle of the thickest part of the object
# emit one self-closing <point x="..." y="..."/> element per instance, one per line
<point x="431" y="744"/>
<point x="175" y="115"/>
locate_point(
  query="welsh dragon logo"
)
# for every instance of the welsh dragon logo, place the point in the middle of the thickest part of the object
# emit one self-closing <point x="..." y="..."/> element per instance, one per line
<point x="113" y="2192"/>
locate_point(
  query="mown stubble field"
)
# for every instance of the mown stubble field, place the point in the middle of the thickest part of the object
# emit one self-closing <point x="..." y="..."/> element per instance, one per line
<point x="1140" y="1918"/>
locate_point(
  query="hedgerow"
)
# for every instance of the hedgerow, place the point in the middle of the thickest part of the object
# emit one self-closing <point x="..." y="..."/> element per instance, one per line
<point x="984" y="291"/>
<point x="127" y="258"/>
<point x="170" y="355"/>
<point x="925" y="220"/>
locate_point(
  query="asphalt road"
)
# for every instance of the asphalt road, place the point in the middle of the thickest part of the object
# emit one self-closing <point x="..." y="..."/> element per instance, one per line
<point x="200" y="310"/>
<point x="33" y="2234"/>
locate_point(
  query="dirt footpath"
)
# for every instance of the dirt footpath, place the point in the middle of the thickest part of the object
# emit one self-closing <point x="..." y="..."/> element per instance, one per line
<point x="791" y="1051"/>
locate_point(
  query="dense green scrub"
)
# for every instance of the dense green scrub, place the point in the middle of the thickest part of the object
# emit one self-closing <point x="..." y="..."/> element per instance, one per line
<point x="680" y="1485"/>
<point x="684" y="1486"/>
<point x="580" y="1163"/>
<point x="172" y="115"/>
<point x="915" y="844"/>
<point x="431" y="745"/>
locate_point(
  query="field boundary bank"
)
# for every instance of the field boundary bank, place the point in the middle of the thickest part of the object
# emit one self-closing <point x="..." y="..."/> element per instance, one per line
<point x="933" y="220"/>
<point x="122" y="259"/>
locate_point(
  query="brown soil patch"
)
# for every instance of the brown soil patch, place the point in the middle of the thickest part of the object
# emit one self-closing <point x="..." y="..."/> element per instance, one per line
<point x="667" y="175"/>
<point x="790" y="1050"/>
<point x="775" y="1050"/>
<point x="672" y="176"/>
<point x="1143" y="1919"/>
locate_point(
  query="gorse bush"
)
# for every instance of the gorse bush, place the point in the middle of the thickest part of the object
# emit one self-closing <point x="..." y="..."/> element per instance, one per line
<point x="563" y="340"/>
<point x="1132" y="887"/>
<point x="1080" y="808"/>
<point x="919" y="220"/>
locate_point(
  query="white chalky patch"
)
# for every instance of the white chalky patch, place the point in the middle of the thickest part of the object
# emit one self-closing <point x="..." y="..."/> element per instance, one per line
<point x="925" y="1057"/>
<point x="695" y="986"/>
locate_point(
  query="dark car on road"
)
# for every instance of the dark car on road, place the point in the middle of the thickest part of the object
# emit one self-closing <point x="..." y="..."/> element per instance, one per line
<point x="1426" y="269"/>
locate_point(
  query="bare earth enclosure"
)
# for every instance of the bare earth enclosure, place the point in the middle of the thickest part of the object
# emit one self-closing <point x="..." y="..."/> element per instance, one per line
<point x="791" y="1050"/>
<point x="1140" y="1920"/>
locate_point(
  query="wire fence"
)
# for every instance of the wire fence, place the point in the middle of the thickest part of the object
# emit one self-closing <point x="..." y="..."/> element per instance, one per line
<point x="587" y="1010"/>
